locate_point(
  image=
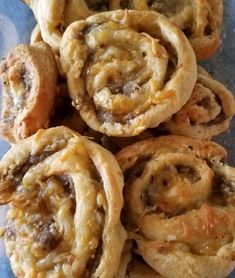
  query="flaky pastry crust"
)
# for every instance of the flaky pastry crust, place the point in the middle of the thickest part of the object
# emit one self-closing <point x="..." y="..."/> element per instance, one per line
<point x="29" y="78"/>
<point x="179" y="205"/>
<point x="199" y="19"/>
<point x="65" y="198"/>
<point x="207" y="113"/>
<point x="49" y="16"/>
<point x="127" y="70"/>
<point x="53" y="16"/>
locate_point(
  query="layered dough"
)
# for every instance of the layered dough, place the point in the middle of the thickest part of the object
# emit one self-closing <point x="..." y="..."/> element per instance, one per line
<point x="53" y="16"/>
<point x="179" y="206"/>
<point x="200" y="20"/>
<point x="207" y="113"/>
<point x="127" y="70"/>
<point x="29" y="79"/>
<point x="65" y="198"/>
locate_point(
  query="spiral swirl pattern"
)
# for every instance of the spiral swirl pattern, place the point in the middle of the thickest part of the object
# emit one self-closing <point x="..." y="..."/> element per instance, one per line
<point x="179" y="203"/>
<point x="53" y="16"/>
<point x="29" y="77"/>
<point x="207" y="113"/>
<point x="127" y="70"/>
<point x="65" y="202"/>
<point x="200" y="20"/>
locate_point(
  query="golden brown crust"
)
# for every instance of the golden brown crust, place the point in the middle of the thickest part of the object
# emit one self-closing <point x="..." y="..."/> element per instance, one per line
<point x="65" y="204"/>
<point x="207" y="113"/>
<point x="205" y="149"/>
<point x="29" y="78"/>
<point x="200" y="20"/>
<point x="207" y="45"/>
<point x="179" y="206"/>
<point x="53" y="16"/>
<point x="105" y="63"/>
<point x="49" y="15"/>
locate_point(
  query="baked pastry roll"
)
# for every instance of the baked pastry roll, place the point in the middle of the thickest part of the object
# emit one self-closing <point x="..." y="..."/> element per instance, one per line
<point x="65" y="198"/>
<point x="207" y="113"/>
<point x="179" y="205"/>
<point x="49" y="16"/>
<point x="53" y="16"/>
<point x="29" y="78"/>
<point x="127" y="70"/>
<point x="199" y="19"/>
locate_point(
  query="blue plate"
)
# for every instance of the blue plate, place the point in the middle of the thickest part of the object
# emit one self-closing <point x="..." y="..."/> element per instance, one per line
<point x="16" y="25"/>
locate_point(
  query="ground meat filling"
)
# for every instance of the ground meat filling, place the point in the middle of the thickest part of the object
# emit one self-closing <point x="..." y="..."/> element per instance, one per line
<point x="48" y="235"/>
<point x="190" y="173"/>
<point x="221" y="117"/>
<point x="17" y="97"/>
<point x="224" y="186"/>
<point x="27" y="80"/>
<point x="87" y="29"/>
<point x="119" y="84"/>
<point x="154" y="196"/>
<point x="149" y="196"/>
<point x="168" y="7"/>
<point x="137" y="169"/>
<point x="39" y="224"/>
<point x="68" y="184"/>
<point x="16" y="174"/>
<point x="171" y="8"/>
<point x="228" y="186"/>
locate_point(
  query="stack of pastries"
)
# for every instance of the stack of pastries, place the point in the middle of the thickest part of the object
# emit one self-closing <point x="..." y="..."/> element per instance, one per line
<point x="112" y="173"/>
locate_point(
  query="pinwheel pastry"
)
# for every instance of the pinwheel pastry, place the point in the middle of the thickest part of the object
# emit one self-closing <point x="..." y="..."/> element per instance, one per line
<point x="53" y="16"/>
<point x="207" y="113"/>
<point x="29" y="78"/>
<point x="65" y="198"/>
<point x="127" y="70"/>
<point x="199" y="19"/>
<point x="180" y="205"/>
